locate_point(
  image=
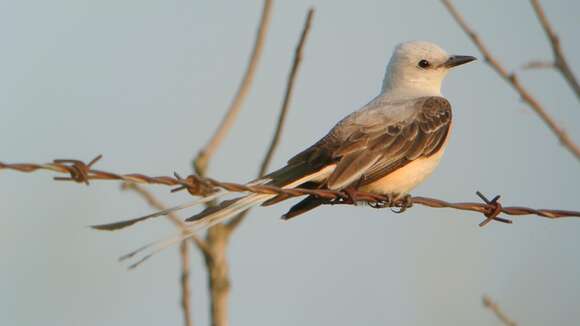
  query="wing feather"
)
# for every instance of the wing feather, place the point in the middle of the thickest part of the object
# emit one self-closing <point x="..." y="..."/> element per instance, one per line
<point x="375" y="154"/>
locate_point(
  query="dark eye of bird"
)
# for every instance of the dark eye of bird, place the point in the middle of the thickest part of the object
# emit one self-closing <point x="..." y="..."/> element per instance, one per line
<point x="424" y="64"/>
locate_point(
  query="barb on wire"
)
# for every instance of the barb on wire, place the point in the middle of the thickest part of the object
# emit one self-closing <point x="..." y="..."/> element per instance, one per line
<point x="513" y="80"/>
<point x="489" y="208"/>
<point x="492" y="214"/>
<point x="81" y="172"/>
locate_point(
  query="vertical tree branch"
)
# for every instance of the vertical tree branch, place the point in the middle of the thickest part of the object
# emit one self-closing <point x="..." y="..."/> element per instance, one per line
<point x="560" y="61"/>
<point x="183" y="249"/>
<point x="202" y="160"/>
<point x="495" y="308"/>
<point x="218" y="273"/>
<point x="298" y="53"/>
<point x="512" y="79"/>
<point x="185" y="292"/>
<point x="217" y="236"/>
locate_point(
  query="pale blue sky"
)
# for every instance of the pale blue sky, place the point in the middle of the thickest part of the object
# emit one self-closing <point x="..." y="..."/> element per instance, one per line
<point x="145" y="83"/>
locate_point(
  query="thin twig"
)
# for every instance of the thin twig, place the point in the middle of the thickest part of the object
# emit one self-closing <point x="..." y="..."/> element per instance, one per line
<point x="202" y="160"/>
<point x="184" y="279"/>
<point x="298" y="54"/>
<point x="183" y="248"/>
<point x="560" y="61"/>
<point x="283" y="110"/>
<point x="512" y="79"/>
<point x="496" y="309"/>
<point x="537" y="64"/>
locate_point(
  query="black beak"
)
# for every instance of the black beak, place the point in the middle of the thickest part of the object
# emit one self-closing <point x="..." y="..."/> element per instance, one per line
<point x="457" y="60"/>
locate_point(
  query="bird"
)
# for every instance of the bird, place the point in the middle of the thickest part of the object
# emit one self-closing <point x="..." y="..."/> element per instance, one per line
<point x="387" y="147"/>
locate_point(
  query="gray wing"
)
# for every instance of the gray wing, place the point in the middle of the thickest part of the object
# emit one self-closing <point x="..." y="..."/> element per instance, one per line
<point x="372" y="143"/>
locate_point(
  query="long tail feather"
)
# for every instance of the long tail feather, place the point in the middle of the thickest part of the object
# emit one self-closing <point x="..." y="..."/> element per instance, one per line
<point x="155" y="247"/>
<point x="123" y="224"/>
<point x="236" y="206"/>
<point x="225" y="210"/>
<point x="305" y="205"/>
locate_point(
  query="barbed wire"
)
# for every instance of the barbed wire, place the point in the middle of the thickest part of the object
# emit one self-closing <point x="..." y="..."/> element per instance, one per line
<point x="81" y="172"/>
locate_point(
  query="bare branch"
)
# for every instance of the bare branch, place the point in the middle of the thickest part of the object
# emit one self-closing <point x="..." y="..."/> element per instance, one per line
<point x="283" y="110"/>
<point x="183" y="249"/>
<point x="203" y="157"/>
<point x="216" y="262"/>
<point x="496" y="309"/>
<point x="560" y="61"/>
<point x="512" y="79"/>
<point x="298" y="54"/>
<point x="185" y="293"/>
<point x="218" y="273"/>
<point x="537" y="64"/>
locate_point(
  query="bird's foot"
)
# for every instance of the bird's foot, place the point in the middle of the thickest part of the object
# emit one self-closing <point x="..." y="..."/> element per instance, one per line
<point x="386" y="201"/>
<point x="403" y="203"/>
<point x="398" y="203"/>
<point x="350" y="196"/>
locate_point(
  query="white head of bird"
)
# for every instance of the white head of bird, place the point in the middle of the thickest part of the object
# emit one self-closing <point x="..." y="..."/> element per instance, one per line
<point x="417" y="68"/>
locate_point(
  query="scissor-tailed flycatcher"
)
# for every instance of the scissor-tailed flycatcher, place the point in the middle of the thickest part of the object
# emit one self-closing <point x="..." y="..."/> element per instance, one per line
<point x="387" y="147"/>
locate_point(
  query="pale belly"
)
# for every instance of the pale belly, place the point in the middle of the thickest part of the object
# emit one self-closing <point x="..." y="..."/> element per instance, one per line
<point x="401" y="181"/>
<point x="406" y="178"/>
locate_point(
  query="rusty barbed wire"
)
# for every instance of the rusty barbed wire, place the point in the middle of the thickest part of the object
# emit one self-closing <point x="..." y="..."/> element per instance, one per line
<point x="81" y="172"/>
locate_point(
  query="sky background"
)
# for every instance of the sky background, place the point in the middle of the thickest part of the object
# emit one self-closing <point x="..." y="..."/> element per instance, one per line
<point x="146" y="82"/>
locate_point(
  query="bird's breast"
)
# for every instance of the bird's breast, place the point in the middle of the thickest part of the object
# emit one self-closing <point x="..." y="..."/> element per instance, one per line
<point x="406" y="178"/>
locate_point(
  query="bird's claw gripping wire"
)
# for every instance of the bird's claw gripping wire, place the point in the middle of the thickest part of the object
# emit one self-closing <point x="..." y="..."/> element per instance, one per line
<point x="351" y="196"/>
<point x="402" y="204"/>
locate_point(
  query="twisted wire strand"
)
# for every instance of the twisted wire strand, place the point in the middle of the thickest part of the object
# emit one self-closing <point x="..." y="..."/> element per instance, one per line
<point x="80" y="172"/>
